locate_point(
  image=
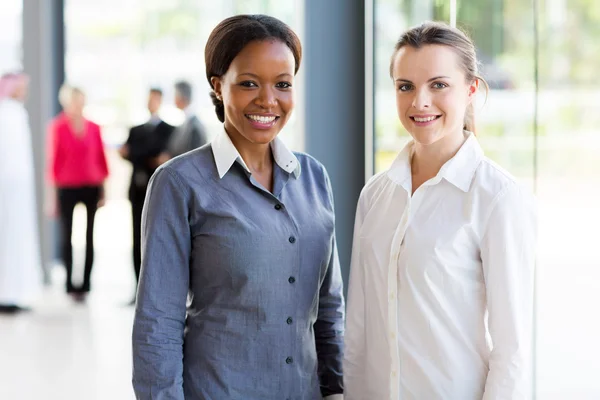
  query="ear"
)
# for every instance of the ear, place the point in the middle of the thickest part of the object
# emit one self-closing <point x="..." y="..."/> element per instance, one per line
<point x="473" y="87"/>
<point x="216" y="82"/>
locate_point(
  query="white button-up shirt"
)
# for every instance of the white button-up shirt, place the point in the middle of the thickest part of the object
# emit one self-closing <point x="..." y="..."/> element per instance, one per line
<point x="440" y="302"/>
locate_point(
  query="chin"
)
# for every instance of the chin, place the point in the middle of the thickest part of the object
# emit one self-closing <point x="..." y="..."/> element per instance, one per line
<point x="426" y="138"/>
<point x="260" y="137"/>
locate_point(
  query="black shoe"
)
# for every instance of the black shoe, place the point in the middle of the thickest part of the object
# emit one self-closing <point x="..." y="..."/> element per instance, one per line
<point x="11" y="309"/>
<point x="79" y="297"/>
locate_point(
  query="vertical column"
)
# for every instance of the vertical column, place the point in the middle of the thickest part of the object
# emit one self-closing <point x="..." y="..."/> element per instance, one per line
<point x="43" y="61"/>
<point x="334" y="119"/>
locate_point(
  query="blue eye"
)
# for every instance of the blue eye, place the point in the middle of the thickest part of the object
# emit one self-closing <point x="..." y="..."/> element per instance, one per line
<point x="405" y="88"/>
<point x="439" y="85"/>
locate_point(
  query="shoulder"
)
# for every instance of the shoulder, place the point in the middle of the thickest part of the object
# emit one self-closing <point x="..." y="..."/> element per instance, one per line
<point x="501" y="191"/>
<point x="311" y="166"/>
<point x="491" y="180"/>
<point x="200" y="160"/>
<point x="165" y="125"/>
<point x="307" y="160"/>
<point x="375" y="186"/>
<point x="93" y="126"/>
<point x="57" y="122"/>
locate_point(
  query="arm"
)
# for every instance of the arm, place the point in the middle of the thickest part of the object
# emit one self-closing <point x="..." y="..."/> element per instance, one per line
<point x="103" y="164"/>
<point x="508" y="256"/>
<point x="329" y="327"/>
<point x="51" y="202"/>
<point x="354" y="344"/>
<point x="158" y="329"/>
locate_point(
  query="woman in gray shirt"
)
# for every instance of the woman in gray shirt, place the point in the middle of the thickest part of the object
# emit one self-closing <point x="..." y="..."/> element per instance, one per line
<point x="245" y="228"/>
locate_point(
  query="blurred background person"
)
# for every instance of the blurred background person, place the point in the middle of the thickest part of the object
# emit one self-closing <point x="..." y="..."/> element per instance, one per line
<point x="20" y="262"/>
<point x="189" y="135"/>
<point x="142" y="148"/>
<point x="77" y="169"/>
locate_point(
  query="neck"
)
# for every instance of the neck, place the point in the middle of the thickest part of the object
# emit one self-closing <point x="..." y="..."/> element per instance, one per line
<point x="427" y="160"/>
<point x="257" y="156"/>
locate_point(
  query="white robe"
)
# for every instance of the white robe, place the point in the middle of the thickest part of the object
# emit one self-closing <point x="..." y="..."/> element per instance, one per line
<point x="20" y="262"/>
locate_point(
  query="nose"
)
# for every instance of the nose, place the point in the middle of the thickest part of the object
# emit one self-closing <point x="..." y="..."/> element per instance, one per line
<point x="266" y="98"/>
<point x="422" y="99"/>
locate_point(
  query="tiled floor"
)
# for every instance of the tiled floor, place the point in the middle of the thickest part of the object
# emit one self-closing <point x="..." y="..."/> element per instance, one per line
<point x="67" y="351"/>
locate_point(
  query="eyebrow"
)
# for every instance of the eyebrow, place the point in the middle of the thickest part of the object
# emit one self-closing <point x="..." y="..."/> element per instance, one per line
<point x="432" y="79"/>
<point x="257" y="77"/>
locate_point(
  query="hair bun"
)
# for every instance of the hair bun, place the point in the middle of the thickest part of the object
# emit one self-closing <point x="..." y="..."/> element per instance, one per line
<point x="219" y="106"/>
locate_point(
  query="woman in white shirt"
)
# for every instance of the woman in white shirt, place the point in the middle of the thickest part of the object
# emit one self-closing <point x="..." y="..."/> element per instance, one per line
<point x="440" y="301"/>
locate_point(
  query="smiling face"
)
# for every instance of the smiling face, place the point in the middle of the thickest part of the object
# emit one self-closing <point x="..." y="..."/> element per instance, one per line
<point x="432" y="92"/>
<point x="257" y="91"/>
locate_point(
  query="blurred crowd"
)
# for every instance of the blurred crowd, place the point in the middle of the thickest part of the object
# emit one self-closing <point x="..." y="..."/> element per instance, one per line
<point x="76" y="171"/>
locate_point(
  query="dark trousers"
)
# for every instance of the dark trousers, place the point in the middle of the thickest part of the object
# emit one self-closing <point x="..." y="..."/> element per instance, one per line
<point x="137" y="196"/>
<point x="68" y="198"/>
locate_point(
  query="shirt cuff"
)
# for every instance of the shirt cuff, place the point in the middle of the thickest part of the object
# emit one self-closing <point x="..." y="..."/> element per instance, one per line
<point x="334" y="397"/>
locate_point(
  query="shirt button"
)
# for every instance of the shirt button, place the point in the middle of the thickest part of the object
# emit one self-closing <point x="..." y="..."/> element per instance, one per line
<point x="278" y="207"/>
<point x="289" y="360"/>
<point x="290" y="320"/>
<point x="292" y="239"/>
<point x="291" y="279"/>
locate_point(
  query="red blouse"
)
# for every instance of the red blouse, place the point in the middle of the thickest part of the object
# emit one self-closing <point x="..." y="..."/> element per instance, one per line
<point x="73" y="160"/>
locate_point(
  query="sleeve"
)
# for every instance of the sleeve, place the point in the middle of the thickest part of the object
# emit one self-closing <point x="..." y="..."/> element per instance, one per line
<point x="508" y="256"/>
<point x="51" y="152"/>
<point x="355" y="340"/>
<point x="102" y="163"/>
<point x="329" y="327"/>
<point x="159" y="321"/>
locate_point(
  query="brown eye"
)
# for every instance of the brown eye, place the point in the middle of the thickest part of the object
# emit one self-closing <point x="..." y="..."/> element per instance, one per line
<point x="248" y="84"/>
<point x="284" y="85"/>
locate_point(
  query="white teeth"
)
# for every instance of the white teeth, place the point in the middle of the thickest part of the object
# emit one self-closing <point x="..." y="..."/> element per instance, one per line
<point x="427" y="119"/>
<point x="262" y="120"/>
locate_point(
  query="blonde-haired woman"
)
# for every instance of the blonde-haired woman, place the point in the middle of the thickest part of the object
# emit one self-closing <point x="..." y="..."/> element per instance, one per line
<point x="77" y="169"/>
<point x="443" y="251"/>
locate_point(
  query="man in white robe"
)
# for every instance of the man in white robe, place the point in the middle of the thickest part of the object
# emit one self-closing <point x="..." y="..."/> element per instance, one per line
<point x="20" y="261"/>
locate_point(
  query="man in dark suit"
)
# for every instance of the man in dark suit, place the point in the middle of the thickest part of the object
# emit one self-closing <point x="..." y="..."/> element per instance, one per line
<point x="189" y="135"/>
<point x="143" y="148"/>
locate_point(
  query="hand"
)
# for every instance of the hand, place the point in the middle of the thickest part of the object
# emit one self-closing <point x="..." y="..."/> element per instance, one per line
<point x="51" y="209"/>
<point x="124" y="151"/>
<point x="162" y="158"/>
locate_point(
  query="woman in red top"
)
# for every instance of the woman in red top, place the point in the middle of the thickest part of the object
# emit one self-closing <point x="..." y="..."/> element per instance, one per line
<point x="77" y="169"/>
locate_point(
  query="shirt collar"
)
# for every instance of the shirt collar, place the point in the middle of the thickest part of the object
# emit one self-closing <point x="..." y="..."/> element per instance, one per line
<point x="226" y="154"/>
<point x="459" y="170"/>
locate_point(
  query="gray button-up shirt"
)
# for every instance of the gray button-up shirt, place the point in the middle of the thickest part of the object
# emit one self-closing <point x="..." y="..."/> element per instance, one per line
<point x="265" y="309"/>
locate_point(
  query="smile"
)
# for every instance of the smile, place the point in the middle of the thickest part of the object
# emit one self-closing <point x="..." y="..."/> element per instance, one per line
<point x="424" y="119"/>
<point x="262" y="121"/>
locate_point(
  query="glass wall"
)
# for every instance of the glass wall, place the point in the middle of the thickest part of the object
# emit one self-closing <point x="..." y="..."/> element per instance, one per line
<point x="540" y="121"/>
<point x="568" y="182"/>
<point x="10" y="36"/>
